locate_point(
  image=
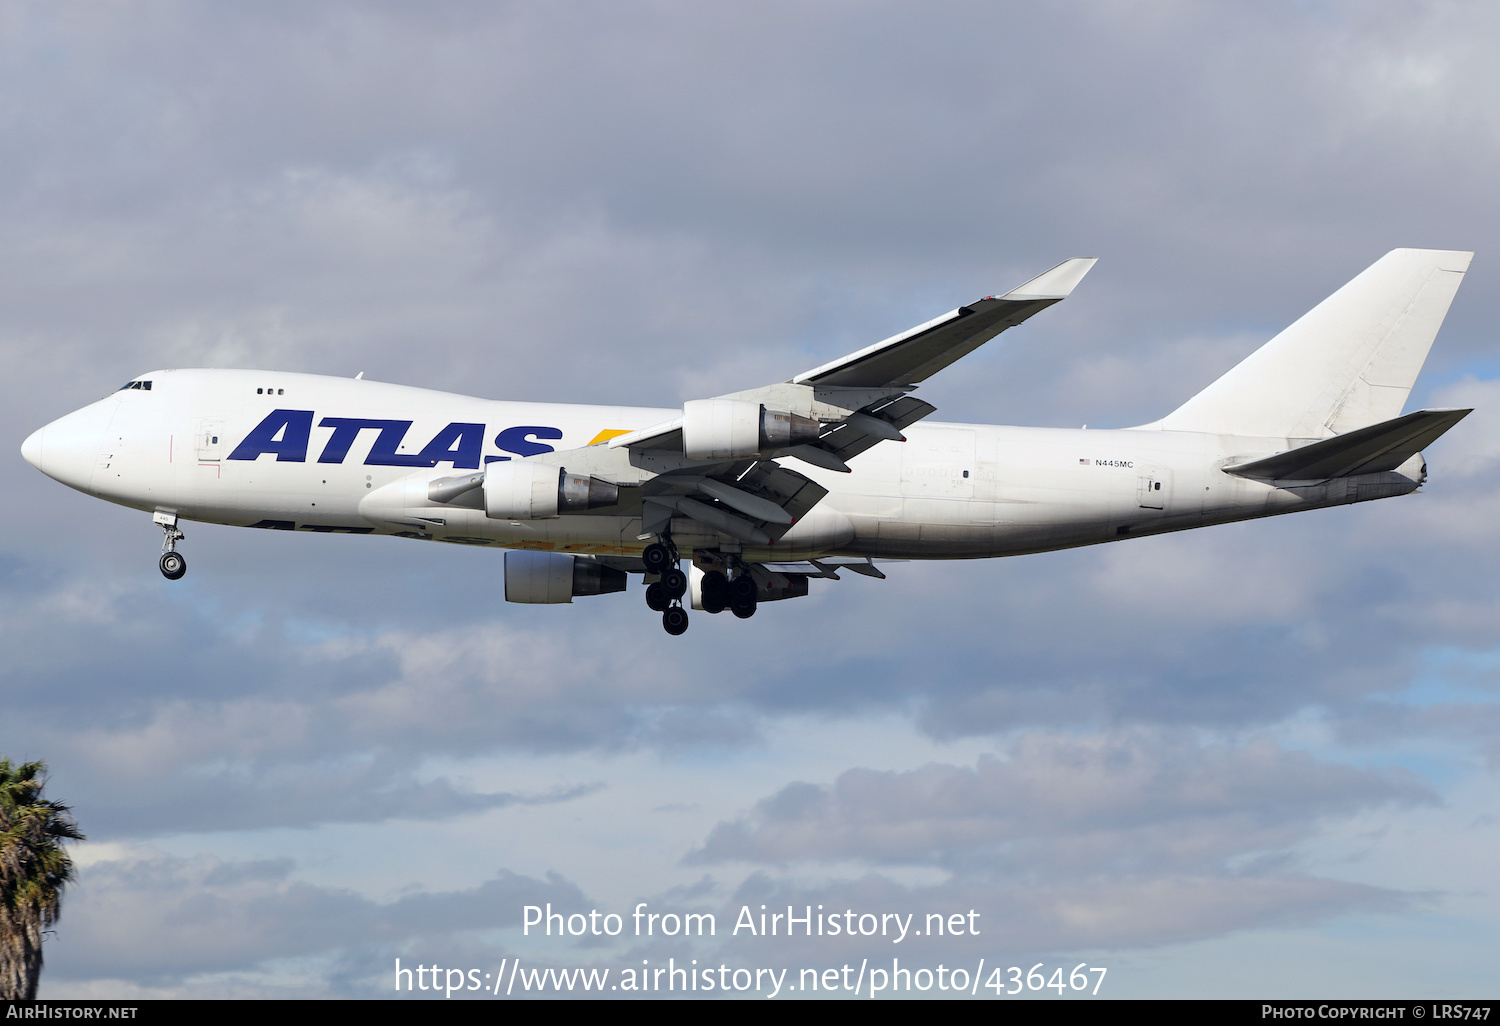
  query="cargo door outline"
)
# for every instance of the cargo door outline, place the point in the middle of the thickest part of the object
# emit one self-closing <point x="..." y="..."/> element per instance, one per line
<point x="940" y="466"/>
<point x="208" y="443"/>
<point x="1154" y="487"/>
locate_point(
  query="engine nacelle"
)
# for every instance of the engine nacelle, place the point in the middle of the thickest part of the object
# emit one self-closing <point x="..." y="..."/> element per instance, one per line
<point x="551" y="577"/>
<point x="715" y="429"/>
<point x="518" y="490"/>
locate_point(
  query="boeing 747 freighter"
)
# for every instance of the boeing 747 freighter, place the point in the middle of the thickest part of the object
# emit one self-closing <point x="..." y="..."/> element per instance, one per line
<point x="762" y="491"/>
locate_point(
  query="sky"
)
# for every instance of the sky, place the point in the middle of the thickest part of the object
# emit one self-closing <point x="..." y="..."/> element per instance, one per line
<point x="1256" y="760"/>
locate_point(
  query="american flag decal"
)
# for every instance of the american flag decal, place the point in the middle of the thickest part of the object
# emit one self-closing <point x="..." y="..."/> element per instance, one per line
<point x="1084" y="462"/>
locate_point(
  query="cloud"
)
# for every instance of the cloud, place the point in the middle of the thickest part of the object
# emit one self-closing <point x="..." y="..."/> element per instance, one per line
<point x="1059" y="804"/>
<point x="1132" y="838"/>
<point x="156" y="920"/>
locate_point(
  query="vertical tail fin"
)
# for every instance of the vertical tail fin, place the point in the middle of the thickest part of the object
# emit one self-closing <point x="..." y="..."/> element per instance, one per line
<point x="1348" y="362"/>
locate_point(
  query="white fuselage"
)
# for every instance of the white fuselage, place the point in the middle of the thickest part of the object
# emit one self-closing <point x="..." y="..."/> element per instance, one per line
<point x="312" y="453"/>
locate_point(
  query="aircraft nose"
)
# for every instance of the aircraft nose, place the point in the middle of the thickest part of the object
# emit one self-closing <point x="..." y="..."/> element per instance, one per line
<point x="31" y="449"/>
<point x="67" y="449"/>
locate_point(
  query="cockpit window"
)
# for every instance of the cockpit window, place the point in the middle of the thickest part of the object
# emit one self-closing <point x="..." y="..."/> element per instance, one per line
<point x="144" y="385"/>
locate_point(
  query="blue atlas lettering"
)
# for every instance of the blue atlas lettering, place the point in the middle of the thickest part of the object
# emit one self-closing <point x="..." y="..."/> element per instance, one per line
<point x="283" y="432"/>
<point x="523" y="441"/>
<point x="458" y="443"/>
<point x="347" y="429"/>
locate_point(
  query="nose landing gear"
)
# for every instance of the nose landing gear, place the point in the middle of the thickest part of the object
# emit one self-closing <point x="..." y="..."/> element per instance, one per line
<point x="173" y="563"/>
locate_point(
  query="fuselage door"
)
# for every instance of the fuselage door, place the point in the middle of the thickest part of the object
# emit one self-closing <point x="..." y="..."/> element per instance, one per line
<point x="1154" y="488"/>
<point x="209" y="441"/>
<point x="938" y="463"/>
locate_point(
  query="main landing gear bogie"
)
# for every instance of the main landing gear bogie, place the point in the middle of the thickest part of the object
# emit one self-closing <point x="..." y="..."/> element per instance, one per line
<point x="720" y="593"/>
<point x="718" y="590"/>
<point x="664" y="595"/>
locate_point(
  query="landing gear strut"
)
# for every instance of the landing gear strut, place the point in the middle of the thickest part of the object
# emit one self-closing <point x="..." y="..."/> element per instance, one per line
<point x="173" y="563"/>
<point x="665" y="595"/>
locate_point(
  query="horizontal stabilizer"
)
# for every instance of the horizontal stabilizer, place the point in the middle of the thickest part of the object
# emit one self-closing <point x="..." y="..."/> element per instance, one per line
<point x="1366" y="450"/>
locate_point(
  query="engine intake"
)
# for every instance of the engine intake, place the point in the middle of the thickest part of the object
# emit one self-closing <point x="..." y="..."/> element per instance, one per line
<point x="553" y="577"/>
<point x="714" y="429"/>
<point x="517" y="490"/>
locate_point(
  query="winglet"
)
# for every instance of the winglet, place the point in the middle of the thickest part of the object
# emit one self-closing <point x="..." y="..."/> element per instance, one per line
<point x="1057" y="283"/>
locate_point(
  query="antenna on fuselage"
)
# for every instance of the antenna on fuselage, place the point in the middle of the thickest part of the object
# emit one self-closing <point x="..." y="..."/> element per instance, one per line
<point x="359" y="376"/>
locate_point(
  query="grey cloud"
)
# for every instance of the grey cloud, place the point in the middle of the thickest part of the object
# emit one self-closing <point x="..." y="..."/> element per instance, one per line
<point x="402" y="177"/>
<point x="160" y="920"/>
<point x="297" y="794"/>
<point x="1057" y="805"/>
<point x="1131" y="839"/>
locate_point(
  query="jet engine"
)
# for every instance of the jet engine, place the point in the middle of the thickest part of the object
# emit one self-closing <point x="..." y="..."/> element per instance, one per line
<point x="534" y="491"/>
<point x="547" y="577"/>
<point x="714" y="429"/>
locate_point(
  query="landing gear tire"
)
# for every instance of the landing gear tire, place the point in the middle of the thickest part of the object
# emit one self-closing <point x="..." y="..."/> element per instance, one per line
<point x="675" y="620"/>
<point x="715" y="590"/>
<point x="674" y="582"/>
<point x="657" y="558"/>
<point x="173" y="565"/>
<point x="657" y="597"/>
<point x="742" y="591"/>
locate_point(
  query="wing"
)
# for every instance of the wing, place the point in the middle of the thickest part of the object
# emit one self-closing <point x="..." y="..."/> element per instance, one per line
<point x="914" y="356"/>
<point x="734" y="483"/>
<point x="861" y="399"/>
<point x="754" y="501"/>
